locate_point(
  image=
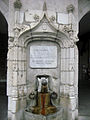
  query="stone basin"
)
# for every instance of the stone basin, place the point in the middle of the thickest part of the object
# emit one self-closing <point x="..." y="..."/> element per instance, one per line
<point x="55" y="116"/>
<point x="24" y="115"/>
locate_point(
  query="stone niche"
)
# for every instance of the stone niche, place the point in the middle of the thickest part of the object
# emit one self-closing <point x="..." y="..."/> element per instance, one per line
<point x="43" y="61"/>
<point x="46" y="52"/>
<point x="43" y="58"/>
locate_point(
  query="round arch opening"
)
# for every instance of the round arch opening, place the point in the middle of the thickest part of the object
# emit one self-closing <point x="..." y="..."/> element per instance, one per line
<point x="3" y="66"/>
<point x="84" y="65"/>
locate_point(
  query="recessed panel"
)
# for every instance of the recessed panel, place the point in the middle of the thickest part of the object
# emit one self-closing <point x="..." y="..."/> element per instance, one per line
<point x="43" y="56"/>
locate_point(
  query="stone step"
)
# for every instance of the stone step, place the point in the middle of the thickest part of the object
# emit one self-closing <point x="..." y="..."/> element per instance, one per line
<point x="84" y="117"/>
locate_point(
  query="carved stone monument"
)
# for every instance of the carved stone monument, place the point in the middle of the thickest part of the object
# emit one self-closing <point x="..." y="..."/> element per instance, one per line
<point x="43" y="98"/>
<point x="42" y="62"/>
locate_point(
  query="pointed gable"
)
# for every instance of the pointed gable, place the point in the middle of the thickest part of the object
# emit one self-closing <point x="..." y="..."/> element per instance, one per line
<point x="44" y="25"/>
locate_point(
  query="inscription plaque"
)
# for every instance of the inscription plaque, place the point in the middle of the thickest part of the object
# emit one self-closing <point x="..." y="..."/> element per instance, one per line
<point x="43" y="56"/>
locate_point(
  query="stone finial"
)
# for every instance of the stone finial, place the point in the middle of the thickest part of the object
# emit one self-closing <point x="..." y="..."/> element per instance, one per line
<point x="70" y="8"/>
<point x="44" y="7"/>
<point x="17" y="4"/>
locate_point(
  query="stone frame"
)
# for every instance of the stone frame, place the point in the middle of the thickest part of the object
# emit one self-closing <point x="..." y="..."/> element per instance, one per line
<point x="17" y="67"/>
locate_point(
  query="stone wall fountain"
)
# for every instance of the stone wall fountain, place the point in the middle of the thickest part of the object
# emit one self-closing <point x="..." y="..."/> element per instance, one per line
<point x="44" y="108"/>
<point x="43" y="72"/>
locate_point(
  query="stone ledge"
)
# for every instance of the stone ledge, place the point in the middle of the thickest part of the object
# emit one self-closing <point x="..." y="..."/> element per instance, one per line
<point x="30" y="116"/>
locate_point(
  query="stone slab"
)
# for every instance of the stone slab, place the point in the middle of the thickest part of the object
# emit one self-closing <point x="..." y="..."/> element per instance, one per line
<point x="43" y="56"/>
<point x="62" y="18"/>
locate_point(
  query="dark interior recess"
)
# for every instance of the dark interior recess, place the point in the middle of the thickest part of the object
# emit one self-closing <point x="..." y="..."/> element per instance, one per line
<point x="84" y="65"/>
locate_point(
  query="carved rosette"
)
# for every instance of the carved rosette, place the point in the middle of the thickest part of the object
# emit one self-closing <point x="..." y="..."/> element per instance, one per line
<point x="36" y="17"/>
<point x="52" y="18"/>
<point x="17" y="4"/>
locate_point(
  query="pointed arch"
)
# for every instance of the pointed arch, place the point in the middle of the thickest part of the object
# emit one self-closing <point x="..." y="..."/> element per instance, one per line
<point x="3" y="63"/>
<point x="3" y="23"/>
<point x="45" y="29"/>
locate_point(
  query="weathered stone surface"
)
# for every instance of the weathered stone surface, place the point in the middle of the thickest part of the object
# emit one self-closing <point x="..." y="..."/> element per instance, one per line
<point x="31" y="26"/>
<point x="28" y="17"/>
<point x="62" y="18"/>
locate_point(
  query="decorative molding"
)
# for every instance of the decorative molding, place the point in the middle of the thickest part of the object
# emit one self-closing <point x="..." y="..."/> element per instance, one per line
<point x="11" y="39"/>
<point x="67" y="28"/>
<point x="45" y="25"/>
<point x="17" y="4"/>
<point x="36" y="17"/>
<point x="70" y="8"/>
<point x="52" y="18"/>
<point x="16" y="31"/>
<point x="22" y="91"/>
<point x="10" y="42"/>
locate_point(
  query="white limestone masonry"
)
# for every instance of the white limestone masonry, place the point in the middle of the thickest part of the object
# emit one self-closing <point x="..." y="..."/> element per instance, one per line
<point x="54" y="28"/>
